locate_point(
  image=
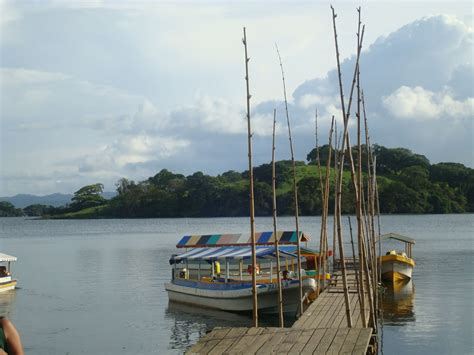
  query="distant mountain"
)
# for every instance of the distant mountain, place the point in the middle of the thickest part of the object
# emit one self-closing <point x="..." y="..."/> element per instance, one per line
<point x="56" y="199"/>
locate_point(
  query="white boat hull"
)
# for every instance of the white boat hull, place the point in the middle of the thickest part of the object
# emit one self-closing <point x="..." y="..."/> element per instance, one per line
<point x="7" y="283"/>
<point x="240" y="299"/>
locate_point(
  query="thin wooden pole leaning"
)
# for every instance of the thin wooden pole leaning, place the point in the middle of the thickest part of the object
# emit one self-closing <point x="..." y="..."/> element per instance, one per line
<point x="354" y="257"/>
<point x="371" y="194"/>
<point x="277" y="249"/>
<point x="325" y="210"/>
<point x="317" y="274"/>
<point x="252" y="205"/>
<point x="361" y="242"/>
<point x="358" y="185"/>
<point x="295" y="191"/>
<point x="376" y="187"/>
<point x="336" y="159"/>
<point x="339" y="188"/>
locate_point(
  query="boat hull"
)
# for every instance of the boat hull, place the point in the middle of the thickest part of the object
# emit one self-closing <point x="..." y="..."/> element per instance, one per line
<point x="396" y="268"/>
<point x="235" y="298"/>
<point x="7" y="284"/>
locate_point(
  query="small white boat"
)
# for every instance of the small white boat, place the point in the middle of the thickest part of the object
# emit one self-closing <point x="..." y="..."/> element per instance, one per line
<point x="6" y="281"/>
<point x="397" y="266"/>
<point x="197" y="279"/>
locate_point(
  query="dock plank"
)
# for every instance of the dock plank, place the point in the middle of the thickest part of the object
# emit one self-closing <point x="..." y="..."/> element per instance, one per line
<point x="273" y="343"/>
<point x="350" y="341"/>
<point x="313" y="342"/>
<point x="260" y="340"/>
<point x="326" y="341"/>
<point x="232" y="337"/>
<point x="240" y="346"/>
<point x="209" y="341"/>
<point x="363" y="341"/>
<point x="301" y="341"/>
<point x="338" y="341"/>
<point x="288" y="342"/>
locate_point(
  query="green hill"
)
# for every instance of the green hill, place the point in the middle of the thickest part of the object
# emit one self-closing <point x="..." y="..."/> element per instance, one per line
<point x="407" y="182"/>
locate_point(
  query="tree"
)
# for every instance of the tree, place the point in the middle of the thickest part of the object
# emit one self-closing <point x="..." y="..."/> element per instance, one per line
<point x="7" y="209"/>
<point x="392" y="160"/>
<point x="37" y="210"/>
<point x="88" y="196"/>
<point x="166" y="180"/>
<point x="283" y="172"/>
<point x="231" y="176"/>
<point x="323" y="155"/>
<point x="396" y="197"/>
<point x="124" y="185"/>
<point x="309" y="196"/>
<point x="416" y="177"/>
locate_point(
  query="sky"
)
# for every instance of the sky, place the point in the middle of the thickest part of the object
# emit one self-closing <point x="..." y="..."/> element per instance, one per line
<point x="94" y="91"/>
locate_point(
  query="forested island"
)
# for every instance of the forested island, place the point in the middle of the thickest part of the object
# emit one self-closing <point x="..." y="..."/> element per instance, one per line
<point x="407" y="182"/>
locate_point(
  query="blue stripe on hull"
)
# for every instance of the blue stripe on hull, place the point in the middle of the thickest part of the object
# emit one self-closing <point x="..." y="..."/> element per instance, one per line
<point x="220" y="286"/>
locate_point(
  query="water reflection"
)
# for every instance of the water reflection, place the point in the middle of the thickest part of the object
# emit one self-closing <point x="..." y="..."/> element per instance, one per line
<point x="190" y="323"/>
<point x="398" y="303"/>
<point x="7" y="302"/>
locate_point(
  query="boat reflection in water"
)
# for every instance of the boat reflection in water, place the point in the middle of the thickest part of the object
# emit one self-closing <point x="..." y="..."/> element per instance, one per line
<point x="190" y="323"/>
<point x="398" y="303"/>
<point x="7" y="302"/>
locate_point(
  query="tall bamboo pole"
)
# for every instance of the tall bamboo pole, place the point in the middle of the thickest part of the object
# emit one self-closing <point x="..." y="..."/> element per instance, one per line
<point x="345" y="138"/>
<point x="277" y="249"/>
<point x="252" y="205"/>
<point x="371" y="194"/>
<point x="336" y="153"/>
<point x="358" y="192"/>
<point x="354" y="257"/>
<point x="321" y="236"/>
<point x="376" y="187"/>
<point x="325" y="210"/>
<point x="295" y="190"/>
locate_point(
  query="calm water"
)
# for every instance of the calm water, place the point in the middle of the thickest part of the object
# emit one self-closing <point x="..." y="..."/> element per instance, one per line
<point x="96" y="287"/>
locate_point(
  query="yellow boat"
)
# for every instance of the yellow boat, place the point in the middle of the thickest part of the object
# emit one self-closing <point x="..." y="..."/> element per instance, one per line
<point x="397" y="266"/>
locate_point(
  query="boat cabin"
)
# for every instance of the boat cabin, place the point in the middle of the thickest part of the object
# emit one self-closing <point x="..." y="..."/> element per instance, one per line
<point x="409" y="242"/>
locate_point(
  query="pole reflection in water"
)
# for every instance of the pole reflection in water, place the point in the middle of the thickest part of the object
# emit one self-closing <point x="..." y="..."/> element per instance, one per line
<point x="398" y="303"/>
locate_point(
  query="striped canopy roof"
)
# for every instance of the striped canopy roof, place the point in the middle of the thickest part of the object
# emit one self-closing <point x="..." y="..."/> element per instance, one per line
<point x="6" y="257"/>
<point x="232" y="253"/>
<point x="261" y="238"/>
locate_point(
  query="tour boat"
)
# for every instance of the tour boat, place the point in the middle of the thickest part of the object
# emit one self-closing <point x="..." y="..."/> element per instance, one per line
<point x="197" y="278"/>
<point x="396" y="265"/>
<point x="6" y="281"/>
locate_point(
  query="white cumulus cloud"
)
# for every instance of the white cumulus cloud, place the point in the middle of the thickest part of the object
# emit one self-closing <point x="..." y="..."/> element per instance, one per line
<point x="420" y="104"/>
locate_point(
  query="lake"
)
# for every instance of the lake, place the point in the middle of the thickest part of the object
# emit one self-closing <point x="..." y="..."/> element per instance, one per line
<point x="96" y="286"/>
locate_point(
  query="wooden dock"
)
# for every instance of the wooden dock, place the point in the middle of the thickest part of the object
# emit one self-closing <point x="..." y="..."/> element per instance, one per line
<point x="322" y="329"/>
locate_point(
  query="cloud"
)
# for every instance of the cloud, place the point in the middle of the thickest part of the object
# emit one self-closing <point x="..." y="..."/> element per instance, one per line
<point x="57" y="99"/>
<point x="146" y="95"/>
<point x="420" y="104"/>
<point x="9" y="13"/>
<point x="131" y="150"/>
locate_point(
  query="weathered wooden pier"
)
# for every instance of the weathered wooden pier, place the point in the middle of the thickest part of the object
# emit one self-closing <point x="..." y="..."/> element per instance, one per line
<point x="322" y="329"/>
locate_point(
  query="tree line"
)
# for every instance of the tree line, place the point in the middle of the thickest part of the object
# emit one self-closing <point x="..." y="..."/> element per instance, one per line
<point x="407" y="183"/>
